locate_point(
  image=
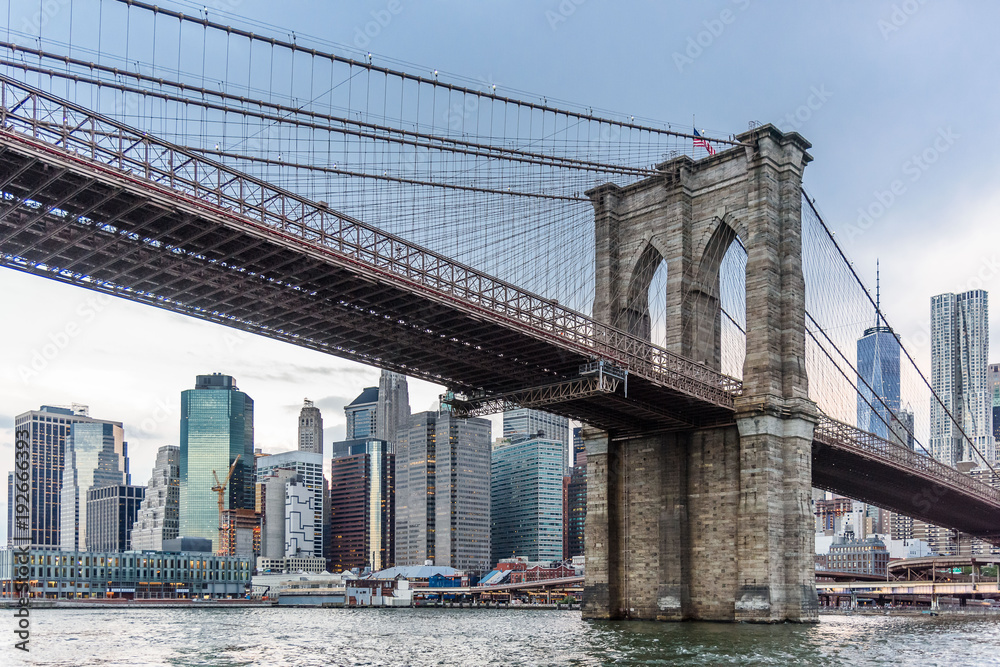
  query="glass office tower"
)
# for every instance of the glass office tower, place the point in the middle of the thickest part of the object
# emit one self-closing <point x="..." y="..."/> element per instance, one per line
<point x="96" y="457"/>
<point x="48" y="432"/>
<point x="527" y="505"/>
<point x="362" y="415"/>
<point x="216" y="427"/>
<point x="878" y="380"/>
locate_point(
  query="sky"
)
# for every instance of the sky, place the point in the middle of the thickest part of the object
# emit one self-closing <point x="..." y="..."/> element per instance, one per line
<point x="899" y="100"/>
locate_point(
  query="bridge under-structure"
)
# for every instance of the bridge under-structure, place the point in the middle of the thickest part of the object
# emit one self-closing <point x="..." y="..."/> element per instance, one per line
<point x="700" y="483"/>
<point x="917" y="580"/>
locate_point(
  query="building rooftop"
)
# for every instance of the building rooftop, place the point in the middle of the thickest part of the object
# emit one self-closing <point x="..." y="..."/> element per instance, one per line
<point x="414" y="572"/>
<point x="369" y="395"/>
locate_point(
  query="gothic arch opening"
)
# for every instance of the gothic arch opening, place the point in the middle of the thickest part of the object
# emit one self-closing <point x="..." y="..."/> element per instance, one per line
<point x="717" y="302"/>
<point x="643" y="298"/>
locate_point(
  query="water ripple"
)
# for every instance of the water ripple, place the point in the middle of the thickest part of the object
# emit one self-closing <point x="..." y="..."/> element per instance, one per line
<point x="428" y="637"/>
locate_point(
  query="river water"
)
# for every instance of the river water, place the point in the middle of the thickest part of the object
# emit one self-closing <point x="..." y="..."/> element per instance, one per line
<point x="286" y="636"/>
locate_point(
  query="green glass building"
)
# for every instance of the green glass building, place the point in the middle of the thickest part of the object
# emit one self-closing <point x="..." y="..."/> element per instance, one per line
<point x="216" y="427"/>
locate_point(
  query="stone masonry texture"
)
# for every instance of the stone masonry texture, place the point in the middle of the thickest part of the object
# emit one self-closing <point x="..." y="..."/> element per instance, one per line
<point x="709" y="524"/>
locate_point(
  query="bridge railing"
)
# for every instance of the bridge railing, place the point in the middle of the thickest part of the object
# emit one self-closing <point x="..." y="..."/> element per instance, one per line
<point x="832" y="432"/>
<point x="187" y="176"/>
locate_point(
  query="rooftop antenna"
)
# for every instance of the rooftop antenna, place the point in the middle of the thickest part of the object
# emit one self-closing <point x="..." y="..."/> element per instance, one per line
<point x="878" y="295"/>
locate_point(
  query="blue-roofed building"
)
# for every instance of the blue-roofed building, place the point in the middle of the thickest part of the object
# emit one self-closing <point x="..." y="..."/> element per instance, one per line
<point x="414" y="572"/>
<point x="361" y="415"/>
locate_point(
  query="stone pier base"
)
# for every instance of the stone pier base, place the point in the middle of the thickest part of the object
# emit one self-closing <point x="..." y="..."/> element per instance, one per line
<point x="702" y="525"/>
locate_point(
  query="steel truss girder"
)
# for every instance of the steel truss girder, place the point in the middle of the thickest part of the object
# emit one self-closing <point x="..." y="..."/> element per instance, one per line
<point x="63" y="134"/>
<point x="534" y="397"/>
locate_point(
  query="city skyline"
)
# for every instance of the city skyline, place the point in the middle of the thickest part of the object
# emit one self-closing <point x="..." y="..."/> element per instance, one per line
<point x="842" y="94"/>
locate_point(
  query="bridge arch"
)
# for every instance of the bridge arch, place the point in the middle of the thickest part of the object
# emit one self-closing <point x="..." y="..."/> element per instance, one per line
<point x="739" y="491"/>
<point x="635" y="315"/>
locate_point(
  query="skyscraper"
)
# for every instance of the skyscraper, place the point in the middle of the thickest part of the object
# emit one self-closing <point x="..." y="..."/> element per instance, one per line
<point x="994" y="385"/>
<point x="157" y="518"/>
<point x="527" y="499"/>
<point x="302" y="521"/>
<point x="393" y="407"/>
<point x="111" y="513"/>
<point x="379" y="412"/>
<point x="361" y="415"/>
<point x="579" y="449"/>
<point x="878" y="380"/>
<point x="577" y="501"/>
<point x="959" y="346"/>
<point x="310" y="428"/>
<point x="271" y="493"/>
<point x="362" y="504"/>
<point x="308" y="467"/>
<point x="216" y="427"/>
<point x="443" y="492"/>
<point x="48" y="430"/>
<point x="96" y="457"/>
<point x="525" y="423"/>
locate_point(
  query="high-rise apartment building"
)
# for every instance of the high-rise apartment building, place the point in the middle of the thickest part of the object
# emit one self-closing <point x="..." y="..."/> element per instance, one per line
<point x="527" y="499"/>
<point x="959" y="347"/>
<point x="310" y="428"/>
<point x="362" y="504"/>
<point x="111" y="513"/>
<point x="96" y="456"/>
<point x="443" y="492"/>
<point x="158" y="515"/>
<point x="48" y="430"/>
<point x="525" y="423"/>
<point x="216" y="428"/>
<point x="308" y="467"/>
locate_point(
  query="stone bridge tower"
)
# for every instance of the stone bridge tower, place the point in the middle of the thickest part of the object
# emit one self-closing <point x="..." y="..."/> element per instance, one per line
<point x="711" y="524"/>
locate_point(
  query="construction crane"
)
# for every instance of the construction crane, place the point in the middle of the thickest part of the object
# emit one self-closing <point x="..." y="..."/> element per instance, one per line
<point x="220" y="488"/>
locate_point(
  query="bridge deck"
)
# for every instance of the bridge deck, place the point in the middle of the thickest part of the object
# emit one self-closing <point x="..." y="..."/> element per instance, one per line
<point x="87" y="201"/>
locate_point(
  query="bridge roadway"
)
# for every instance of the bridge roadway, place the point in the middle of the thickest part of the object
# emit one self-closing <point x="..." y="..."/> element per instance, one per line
<point x="912" y="589"/>
<point x="87" y="201"/>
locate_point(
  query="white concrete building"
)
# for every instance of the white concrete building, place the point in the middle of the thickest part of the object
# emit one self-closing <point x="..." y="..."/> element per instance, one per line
<point x="379" y="593"/>
<point x="309" y="469"/>
<point x="301" y="519"/>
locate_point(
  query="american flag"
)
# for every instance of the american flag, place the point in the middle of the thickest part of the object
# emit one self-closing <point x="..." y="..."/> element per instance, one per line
<point x="701" y="142"/>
